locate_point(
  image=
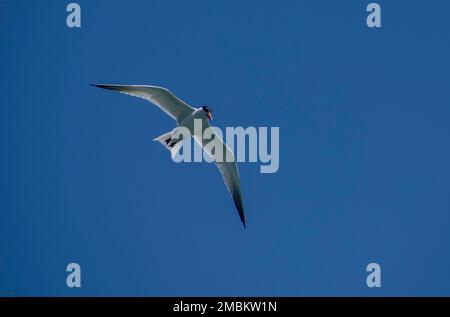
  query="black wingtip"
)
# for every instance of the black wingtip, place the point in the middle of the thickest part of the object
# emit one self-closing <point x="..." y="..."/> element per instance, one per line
<point x="239" y="206"/>
<point x="97" y="85"/>
<point x="107" y="86"/>
<point x="242" y="216"/>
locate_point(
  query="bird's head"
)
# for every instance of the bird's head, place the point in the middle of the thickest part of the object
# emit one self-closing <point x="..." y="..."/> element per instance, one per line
<point x="208" y="111"/>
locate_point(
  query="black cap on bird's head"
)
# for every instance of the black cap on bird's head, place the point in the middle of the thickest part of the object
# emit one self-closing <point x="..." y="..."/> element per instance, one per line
<point x="208" y="110"/>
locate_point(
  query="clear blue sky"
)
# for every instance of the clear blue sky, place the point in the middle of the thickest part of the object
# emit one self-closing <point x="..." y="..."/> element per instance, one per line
<point x="364" y="159"/>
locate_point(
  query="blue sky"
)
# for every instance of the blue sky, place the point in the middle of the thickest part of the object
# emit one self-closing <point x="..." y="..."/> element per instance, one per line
<point x="363" y="116"/>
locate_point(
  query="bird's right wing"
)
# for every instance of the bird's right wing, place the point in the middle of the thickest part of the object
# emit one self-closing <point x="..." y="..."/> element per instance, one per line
<point x="162" y="97"/>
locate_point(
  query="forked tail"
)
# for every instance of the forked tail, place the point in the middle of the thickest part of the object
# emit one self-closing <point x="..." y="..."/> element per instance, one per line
<point x="172" y="144"/>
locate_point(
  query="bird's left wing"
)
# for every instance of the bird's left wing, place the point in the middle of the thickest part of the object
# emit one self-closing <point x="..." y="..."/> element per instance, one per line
<point x="226" y="163"/>
<point x="230" y="175"/>
<point x="162" y="97"/>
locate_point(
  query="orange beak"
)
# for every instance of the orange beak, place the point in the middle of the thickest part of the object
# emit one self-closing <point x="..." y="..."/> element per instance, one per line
<point x="209" y="115"/>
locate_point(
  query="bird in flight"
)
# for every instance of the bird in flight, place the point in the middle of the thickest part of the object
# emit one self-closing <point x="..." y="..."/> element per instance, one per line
<point x="184" y="115"/>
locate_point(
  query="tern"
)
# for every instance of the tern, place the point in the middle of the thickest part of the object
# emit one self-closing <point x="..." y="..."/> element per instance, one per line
<point x="184" y="115"/>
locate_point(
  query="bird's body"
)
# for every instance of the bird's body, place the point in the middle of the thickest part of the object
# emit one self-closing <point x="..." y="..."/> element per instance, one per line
<point x="186" y="117"/>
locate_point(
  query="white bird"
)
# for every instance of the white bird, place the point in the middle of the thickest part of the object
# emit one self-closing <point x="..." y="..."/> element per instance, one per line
<point x="184" y="115"/>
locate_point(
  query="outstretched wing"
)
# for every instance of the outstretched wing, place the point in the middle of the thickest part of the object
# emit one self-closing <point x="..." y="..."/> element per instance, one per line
<point x="162" y="97"/>
<point x="230" y="174"/>
<point x="226" y="163"/>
